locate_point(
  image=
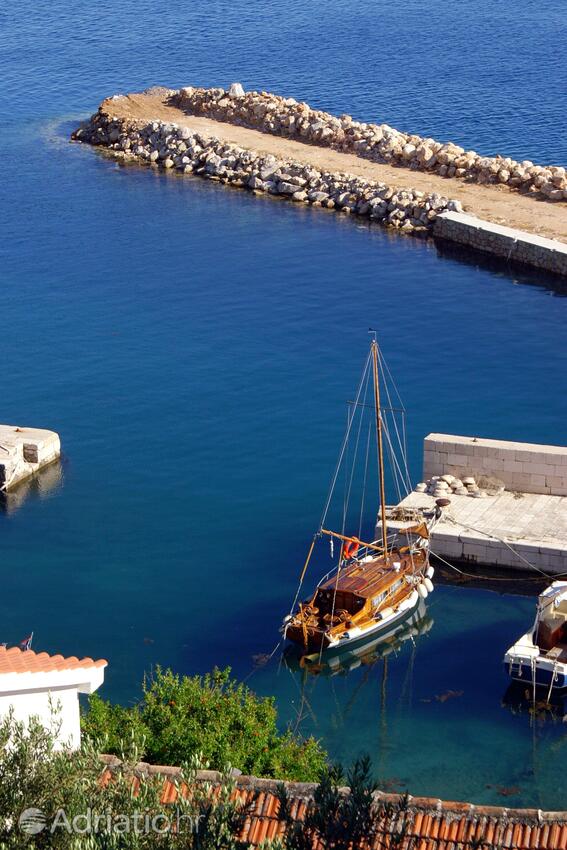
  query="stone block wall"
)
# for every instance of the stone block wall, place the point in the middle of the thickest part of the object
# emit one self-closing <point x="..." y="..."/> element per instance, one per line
<point x="522" y="467"/>
<point x="502" y="241"/>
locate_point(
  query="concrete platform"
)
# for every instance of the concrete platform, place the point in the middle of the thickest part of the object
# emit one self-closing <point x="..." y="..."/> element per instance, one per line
<point x="521" y="520"/>
<point x="507" y="242"/>
<point x="477" y="530"/>
<point x="23" y="452"/>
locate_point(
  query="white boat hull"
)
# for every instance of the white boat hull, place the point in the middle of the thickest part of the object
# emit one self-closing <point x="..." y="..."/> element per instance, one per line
<point x="526" y="663"/>
<point x="355" y="638"/>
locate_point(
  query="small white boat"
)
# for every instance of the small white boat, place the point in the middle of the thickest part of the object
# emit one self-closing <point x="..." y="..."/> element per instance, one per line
<point x="540" y="656"/>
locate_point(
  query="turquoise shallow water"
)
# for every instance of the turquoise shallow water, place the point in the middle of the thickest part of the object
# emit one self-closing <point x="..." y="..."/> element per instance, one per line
<point x="195" y="346"/>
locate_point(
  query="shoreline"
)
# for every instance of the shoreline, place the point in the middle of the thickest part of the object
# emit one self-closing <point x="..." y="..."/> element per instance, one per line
<point x="156" y="129"/>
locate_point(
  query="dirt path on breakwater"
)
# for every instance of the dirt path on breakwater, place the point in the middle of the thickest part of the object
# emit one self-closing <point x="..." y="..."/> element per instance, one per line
<point x="493" y="203"/>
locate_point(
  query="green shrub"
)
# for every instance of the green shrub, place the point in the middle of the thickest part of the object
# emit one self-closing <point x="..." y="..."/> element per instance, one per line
<point x="62" y="790"/>
<point x="213" y="715"/>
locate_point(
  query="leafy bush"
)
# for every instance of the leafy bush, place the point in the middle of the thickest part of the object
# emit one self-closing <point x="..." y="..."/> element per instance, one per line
<point x="213" y="715"/>
<point x="55" y="799"/>
<point x="62" y="791"/>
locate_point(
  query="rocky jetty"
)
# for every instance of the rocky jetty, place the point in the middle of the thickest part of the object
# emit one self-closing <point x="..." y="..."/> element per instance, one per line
<point x="287" y="117"/>
<point x="170" y="146"/>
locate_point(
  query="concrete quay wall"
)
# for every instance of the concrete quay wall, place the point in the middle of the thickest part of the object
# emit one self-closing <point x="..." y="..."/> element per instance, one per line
<point x="23" y="452"/>
<point x="507" y="242"/>
<point x="521" y="467"/>
<point x="483" y="550"/>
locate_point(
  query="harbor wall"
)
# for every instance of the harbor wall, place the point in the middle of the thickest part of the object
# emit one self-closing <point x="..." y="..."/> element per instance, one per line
<point x="484" y="551"/>
<point x="507" y="242"/>
<point x="179" y="148"/>
<point x="169" y="146"/>
<point x="522" y="467"/>
<point x="24" y="451"/>
<point x="287" y="117"/>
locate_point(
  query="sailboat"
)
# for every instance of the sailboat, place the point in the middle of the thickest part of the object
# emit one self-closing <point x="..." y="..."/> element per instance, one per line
<point x="375" y="586"/>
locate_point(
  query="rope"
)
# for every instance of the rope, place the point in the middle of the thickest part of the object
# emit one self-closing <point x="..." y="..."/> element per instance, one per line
<point x="302" y="576"/>
<point x="490" y="578"/>
<point x="343" y="447"/>
<point x="349" y="489"/>
<point x="267" y="661"/>
<point x="500" y="540"/>
<point x="362" y="500"/>
<point x="402" y="444"/>
<point x="394" y="462"/>
<point x="334" y="595"/>
<point x="553" y="678"/>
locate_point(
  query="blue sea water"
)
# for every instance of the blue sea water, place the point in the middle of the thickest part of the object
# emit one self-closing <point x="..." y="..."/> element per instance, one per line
<point x="195" y="346"/>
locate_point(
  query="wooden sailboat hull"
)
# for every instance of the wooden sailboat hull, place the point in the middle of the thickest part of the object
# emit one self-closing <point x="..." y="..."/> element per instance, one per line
<point x="372" y="646"/>
<point x="355" y="638"/>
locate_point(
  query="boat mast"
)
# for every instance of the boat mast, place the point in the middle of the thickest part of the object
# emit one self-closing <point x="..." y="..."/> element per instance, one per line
<point x="374" y="350"/>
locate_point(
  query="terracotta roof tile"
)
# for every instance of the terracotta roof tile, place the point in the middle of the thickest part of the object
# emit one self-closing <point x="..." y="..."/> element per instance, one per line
<point x="16" y="660"/>
<point x="431" y="824"/>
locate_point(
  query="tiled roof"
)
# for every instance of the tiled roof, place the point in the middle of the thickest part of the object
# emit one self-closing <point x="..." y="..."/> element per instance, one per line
<point x="430" y="824"/>
<point x="15" y="660"/>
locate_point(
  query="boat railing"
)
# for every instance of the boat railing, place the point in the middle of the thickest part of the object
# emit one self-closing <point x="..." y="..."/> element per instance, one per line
<point x="361" y="554"/>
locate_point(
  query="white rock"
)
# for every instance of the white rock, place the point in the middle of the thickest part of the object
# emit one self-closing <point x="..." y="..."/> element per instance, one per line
<point x="236" y="90"/>
<point x="421" y="487"/>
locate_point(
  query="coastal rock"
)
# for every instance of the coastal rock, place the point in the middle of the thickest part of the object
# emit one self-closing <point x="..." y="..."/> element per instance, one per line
<point x="236" y="90"/>
<point x="379" y="142"/>
<point x="169" y="146"/>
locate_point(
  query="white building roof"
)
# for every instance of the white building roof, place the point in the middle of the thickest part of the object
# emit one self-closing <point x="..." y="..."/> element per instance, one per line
<point x="28" y="670"/>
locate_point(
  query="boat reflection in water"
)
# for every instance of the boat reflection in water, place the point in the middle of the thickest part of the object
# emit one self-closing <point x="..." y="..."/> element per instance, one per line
<point x="542" y="705"/>
<point x="344" y="659"/>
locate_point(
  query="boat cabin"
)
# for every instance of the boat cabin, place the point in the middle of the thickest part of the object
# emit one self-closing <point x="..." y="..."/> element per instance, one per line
<point x="551" y="629"/>
<point x="326" y="603"/>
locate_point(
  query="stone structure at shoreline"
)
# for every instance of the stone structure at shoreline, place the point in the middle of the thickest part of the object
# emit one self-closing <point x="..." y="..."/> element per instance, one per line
<point x="169" y="146"/>
<point x="505" y="242"/>
<point x="282" y="116"/>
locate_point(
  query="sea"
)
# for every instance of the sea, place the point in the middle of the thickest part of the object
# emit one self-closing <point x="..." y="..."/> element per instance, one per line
<point x="195" y="348"/>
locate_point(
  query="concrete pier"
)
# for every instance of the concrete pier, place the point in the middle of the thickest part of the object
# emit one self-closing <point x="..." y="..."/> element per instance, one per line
<point x="517" y="516"/>
<point x="507" y="242"/>
<point x="23" y="452"/>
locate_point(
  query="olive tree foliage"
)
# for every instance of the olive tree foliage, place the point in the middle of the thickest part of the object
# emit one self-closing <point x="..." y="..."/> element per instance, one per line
<point x="345" y="818"/>
<point x="56" y="798"/>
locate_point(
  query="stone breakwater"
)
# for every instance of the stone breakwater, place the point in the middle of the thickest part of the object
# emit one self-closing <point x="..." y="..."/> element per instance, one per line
<point x="169" y="146"/>
<point x="287" y="117"/>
